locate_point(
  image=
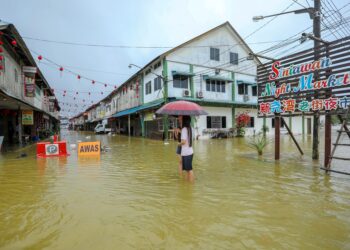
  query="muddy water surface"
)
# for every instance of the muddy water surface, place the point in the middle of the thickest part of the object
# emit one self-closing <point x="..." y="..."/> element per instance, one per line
<point x="133" y="198"/>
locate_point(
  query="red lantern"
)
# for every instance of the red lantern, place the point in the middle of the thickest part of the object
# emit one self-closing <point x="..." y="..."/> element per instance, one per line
<point x="1" y="50"/>
<point x="40" y="58"/>
<point x="61" y="69"/>
<point x="79" y="77"/>
<point x="1" y="67"/>
<point x="1" y="42"/>
<point x="1" y="57"/>
<point x="1" y="33"/>
<point x="115" y="86"/>
<point x="14" y="43"/>
<point x="65" y="91"/>
<point x="93" y="82"/>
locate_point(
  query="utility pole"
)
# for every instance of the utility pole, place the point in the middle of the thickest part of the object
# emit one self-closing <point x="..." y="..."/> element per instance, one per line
<point x="317" y="33"/>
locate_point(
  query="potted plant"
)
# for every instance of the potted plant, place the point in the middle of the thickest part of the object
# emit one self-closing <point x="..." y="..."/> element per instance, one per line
<point x="242" y="120"/>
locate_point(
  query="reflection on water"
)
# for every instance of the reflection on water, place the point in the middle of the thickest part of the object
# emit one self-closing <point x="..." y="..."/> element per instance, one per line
<point x="132" y="197"/>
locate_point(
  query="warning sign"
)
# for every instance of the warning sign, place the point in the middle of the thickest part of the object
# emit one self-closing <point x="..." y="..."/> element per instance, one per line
<point x="89" y="148"/>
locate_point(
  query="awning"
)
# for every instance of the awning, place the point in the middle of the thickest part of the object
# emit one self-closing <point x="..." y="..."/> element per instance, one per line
<point x="139" y="108"/>
<point x="245" y="82"/>
<point x="182" y="73"/>
<point x="217" y="78"/>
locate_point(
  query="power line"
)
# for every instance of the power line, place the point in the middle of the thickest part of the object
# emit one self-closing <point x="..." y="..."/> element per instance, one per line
<point x="139" y="46"/>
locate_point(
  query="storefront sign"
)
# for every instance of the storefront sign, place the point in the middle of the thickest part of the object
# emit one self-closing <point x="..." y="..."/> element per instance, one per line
<point x="29" y="86"/>
<point x="51" y="149"/>
<point x="27" y="117"/>
<point x="52" y="103"/>
<point x="89" y="148"/>
<point x="149" y="116"/>
<point x="297" y="84"/>
<point x="29" y="69"/>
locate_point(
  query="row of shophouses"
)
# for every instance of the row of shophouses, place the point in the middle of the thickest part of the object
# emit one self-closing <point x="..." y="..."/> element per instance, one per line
<point x="212" y="69"/>
<point x="29" y="110"/>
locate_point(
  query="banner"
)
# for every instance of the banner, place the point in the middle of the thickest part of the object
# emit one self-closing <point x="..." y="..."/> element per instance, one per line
<point x="89" y="148"/>
<point x="300" y="84"/>
<point x="27" y="117"/>
<point x="29" y="86"/>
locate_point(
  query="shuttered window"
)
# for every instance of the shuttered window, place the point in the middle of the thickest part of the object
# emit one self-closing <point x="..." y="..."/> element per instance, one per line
<point x="234" y="58"/>
<point x="215" y="54"/>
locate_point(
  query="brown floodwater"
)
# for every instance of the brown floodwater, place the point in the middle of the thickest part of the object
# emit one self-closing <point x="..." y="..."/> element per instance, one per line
<point x="132" y="198"/>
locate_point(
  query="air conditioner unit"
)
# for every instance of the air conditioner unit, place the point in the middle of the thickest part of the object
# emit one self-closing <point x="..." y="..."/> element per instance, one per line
<point x="246" y="98"/>
<point x="186" y="92"/>
<point x="199" y="94"/>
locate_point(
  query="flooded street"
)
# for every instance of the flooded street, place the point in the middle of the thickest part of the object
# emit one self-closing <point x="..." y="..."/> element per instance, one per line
<point x="133" y="198"/>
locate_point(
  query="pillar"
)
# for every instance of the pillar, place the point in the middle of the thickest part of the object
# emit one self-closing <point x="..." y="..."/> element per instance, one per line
<point x="129" y="125"/>
<point x="142" y="120"/>
<point x="327" y="139"/>
<point x="191" y="82"/>
<point x="277" y="137"/>
<point x="303" y="124"/>
<point x="20" y="126"/>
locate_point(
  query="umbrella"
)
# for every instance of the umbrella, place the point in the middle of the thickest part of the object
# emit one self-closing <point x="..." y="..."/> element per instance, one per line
<point x="181" y="108"/>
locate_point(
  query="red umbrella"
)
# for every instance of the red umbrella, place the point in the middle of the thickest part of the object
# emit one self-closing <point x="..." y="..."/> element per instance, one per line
<point x="181" y="108"/>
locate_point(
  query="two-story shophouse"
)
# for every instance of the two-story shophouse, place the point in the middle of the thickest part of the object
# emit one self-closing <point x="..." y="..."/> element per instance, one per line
<point x="28" y="107"/>
<point x="211" y="69"/>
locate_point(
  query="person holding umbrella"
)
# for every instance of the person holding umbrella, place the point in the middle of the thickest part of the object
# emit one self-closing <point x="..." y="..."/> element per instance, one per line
<point x="186" y="147"/>
<point x="185" y="109"/>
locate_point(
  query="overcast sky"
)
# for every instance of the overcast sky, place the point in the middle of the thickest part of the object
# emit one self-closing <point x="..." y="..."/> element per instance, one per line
<point x="138" y="23"/>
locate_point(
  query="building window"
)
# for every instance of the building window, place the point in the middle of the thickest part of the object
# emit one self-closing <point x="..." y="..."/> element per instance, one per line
<point x="254" y="91"/>
<point x="180" y="82"/>
<point x="251" y="123"/>
<point x="234" y="58"/>
<point x="273" y="123"/>
<point x="148" y="88"/>
<point x="216" y="121"/>
<point x="157" y="83"/>
<point x="215" y="86"/>
<point x="16" y="75"/>
<point x="243" y="89"/>
<point x="214" y="54"/>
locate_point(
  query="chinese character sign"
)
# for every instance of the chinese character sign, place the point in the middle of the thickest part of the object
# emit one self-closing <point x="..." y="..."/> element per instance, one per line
<point x="290" y="106"/>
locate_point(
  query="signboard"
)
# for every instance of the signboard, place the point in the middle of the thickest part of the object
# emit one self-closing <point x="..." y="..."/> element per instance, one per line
<point x="51" y="149"/>
<point x="29" y="86"/>
<point x="52" y="103"/>
<point x="298" y="84"/>
<point x="89" y="148"/>
<point x="29" y="69"/>
<point x="27" y="117"/>
<point x="149" y="116"/>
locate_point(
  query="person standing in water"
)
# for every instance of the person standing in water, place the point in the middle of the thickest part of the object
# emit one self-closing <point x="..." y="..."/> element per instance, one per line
<point x="178" y="138"/>
<point x="186" y="147"/>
